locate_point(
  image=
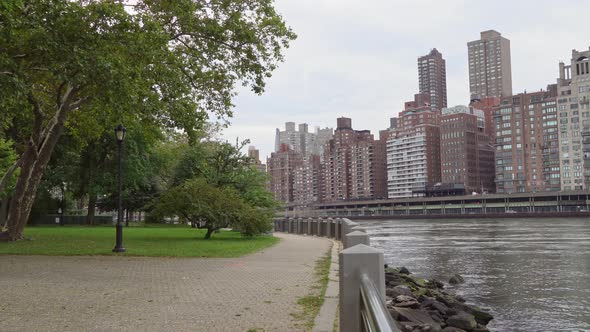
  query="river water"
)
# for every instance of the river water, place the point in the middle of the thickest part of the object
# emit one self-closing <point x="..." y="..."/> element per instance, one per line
<point x="531" y="274"/>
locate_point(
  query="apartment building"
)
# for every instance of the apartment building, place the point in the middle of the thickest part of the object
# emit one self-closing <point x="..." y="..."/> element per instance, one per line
<point x="527" y="142"/>
<point x="351" y="168"/>
<point x="281" y="167"/>
<point x="413" y="149"/>
<point x="490" y="69"/>
<point x="573" y="104"/>
<point x="432" y="78"/>
<point x="302" y="140"/>
<point x="467" y="154"/>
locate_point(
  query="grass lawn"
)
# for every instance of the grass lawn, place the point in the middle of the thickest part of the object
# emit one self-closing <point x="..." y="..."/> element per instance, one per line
<point x="139" y="241"/>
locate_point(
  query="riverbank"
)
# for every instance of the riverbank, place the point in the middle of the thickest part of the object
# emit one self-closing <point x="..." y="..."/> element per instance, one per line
<point x="474" y="215"/>
<point x="420" y="305"/>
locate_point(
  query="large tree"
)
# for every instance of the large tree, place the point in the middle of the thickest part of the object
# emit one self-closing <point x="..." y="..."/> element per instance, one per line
<point x="162" y="63"/>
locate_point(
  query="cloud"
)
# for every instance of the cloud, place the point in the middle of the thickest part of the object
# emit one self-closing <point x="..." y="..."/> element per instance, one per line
<point x="359" y="58"/>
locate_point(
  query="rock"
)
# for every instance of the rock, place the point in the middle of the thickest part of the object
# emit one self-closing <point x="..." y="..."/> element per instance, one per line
<point x="440" y="307"/>
<point x="452" y="329"/>
<point x="395" y="314"/>
<point x="399" y="290"/>
<point x="404" y="270"/>
<point x="436" y="316"/>
<point x="463" y="321"/>
<point x="425" y="301"/>
<point x="481" y="317"/>
<point x="408" y="304"/>
<point x="414" y="315"/>
<point x="456" y="279"/>
<point x="480" y="328"/>
<point x="460" y="298"/>
<point x="434" y="284"/>
<point x="427" y="328"/>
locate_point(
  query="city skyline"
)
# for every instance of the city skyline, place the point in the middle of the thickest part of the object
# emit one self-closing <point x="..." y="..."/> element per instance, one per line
<point x="366" y="71"/>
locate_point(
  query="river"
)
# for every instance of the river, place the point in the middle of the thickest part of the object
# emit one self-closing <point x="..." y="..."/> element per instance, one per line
<point x="531" y="274"/>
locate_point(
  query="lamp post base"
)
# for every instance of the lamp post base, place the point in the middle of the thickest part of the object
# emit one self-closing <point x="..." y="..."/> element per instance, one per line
<point x="119" y="249"/>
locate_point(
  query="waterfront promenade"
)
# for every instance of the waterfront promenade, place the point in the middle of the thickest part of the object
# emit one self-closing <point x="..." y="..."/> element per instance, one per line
<point x="105" y="293"/>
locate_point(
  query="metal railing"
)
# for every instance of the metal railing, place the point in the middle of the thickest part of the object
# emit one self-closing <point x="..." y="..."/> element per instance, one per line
<point x="374" y="314"/>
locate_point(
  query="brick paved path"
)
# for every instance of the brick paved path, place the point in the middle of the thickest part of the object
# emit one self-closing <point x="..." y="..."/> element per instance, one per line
<point x="43" y="293"/>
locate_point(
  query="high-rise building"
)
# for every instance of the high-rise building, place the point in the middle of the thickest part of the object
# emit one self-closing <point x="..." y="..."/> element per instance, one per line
<point x="432" y="77"/>
<point x="527" y="146"/>
<point x="307" y="182"/>
<point x="302" y="140"/>
<point x="254" y="154"/>
<point x="490" y="71"/>
<point x="413" y="149"/>
<point x="573" y="103"/>
<point x="281" y="168"/>
<point x="351" y="169"/>
<point x="467" y="154"/>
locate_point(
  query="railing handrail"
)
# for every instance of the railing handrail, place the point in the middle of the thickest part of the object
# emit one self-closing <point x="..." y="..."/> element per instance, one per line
<point x="374" y="314"/>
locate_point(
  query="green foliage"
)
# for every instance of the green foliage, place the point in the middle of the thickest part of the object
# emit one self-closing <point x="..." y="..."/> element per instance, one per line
<point x="211" y="207"/>
<point x="7" y="159"/>
<point x="163" y="241"/>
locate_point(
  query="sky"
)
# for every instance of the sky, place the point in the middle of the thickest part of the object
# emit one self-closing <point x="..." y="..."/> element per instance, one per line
<point x="358" y="59"/>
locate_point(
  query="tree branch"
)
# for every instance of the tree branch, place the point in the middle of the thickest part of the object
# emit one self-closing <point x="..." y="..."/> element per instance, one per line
<point x="8" y="174"/>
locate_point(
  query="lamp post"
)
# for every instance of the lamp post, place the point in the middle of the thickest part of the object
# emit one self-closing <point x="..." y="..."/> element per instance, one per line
<point x="120" y="135"/>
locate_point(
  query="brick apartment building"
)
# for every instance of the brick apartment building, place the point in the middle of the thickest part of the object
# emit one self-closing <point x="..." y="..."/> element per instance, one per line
<point x="351" y="168"/>
<point x="281" y="167"/>
<point x="467" y="154"/>
<point x="432" y="77"/>
<point x="527" y="143"/>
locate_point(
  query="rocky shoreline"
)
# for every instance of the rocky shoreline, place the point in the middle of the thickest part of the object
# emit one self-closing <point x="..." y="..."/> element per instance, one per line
<point x="420" y="305"/>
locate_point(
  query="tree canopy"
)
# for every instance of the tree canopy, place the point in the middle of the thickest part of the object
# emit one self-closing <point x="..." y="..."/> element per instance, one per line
<point x="84" y="66"/>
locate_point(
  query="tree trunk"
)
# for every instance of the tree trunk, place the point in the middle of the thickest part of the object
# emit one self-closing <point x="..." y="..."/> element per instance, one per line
<point x="91" y="209"/>
<point x="209" y="232"/>
<point x="34" y="160"/>
<point x="4" y="211"/>
<point x="127" y="218"/>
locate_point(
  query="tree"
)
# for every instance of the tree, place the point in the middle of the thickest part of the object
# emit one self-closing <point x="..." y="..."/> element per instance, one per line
<point x="7" y="159"/>
<point x="169" y="64"/>
<point x="211" y="208"/>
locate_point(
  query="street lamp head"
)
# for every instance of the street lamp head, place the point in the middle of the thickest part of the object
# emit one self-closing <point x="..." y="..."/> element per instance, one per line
<point x="120" y="133"/>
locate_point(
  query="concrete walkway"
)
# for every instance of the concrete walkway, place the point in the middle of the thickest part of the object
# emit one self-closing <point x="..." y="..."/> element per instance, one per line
<point x="95" y="293"/>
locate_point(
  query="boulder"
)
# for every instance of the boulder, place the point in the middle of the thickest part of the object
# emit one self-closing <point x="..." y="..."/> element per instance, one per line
<point x="481" y="317"/>
<point x="452" y="329"/>
<point x="463" y="321"/>
<point x="480" y="328"/>
<point x="427" y="328"/>
<point x="434" y="284"/>
<point x="460" y="298"/>
<point x="440" y="307"/>
<point x="413" y="315"/>
<point x="456" y="279"/>
<point x="399" y="290"/>
<point x="404" y="270"/>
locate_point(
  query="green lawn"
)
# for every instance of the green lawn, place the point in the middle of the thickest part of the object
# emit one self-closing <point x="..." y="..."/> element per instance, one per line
<point x="139" y="241"/>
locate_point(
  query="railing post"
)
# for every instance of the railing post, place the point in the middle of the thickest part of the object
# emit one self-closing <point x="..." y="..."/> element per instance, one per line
<point x="337" y="227"/>
<point x="319" y="227"/>
<point x="358" y="229"/>
<point x="354" y="262"/>
<point x="356" y="237"/>
<point x="309" y="226"/>
<point x="330" y="227"/>
<point x="298" y="230"/>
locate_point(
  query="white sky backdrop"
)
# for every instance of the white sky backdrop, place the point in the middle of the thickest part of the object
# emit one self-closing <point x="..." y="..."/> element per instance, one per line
<point x="359" y="58"/>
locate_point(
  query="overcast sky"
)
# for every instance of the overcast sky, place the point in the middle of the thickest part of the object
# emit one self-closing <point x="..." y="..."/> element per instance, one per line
<point x="359" y="58"/>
